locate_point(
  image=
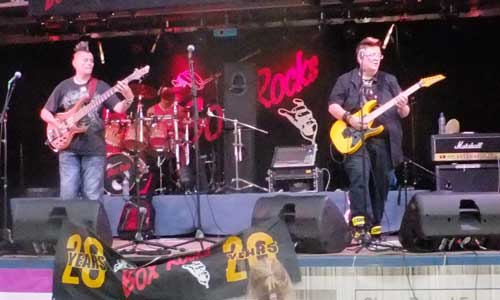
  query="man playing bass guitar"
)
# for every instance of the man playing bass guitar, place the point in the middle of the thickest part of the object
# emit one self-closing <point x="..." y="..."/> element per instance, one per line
<point x="382" y="152"/>
<point x="82" y="163"/>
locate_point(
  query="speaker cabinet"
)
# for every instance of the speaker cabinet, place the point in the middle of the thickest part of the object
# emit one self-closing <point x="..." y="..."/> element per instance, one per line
<point x="467" y="178"/>
<point x="434" y="219"/>
<point x="315" y="224"/>
<point x="36" y="222"/>
<point x="240" y="102"/>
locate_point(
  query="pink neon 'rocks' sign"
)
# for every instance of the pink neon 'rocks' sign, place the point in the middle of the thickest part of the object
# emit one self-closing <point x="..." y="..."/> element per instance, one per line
<point x="275" y="86"/>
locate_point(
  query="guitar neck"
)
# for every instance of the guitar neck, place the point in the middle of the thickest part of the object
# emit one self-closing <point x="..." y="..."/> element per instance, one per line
<point x="98" y="100"/>
<point x="386" y="106"/>
<point x="94" y="104"/>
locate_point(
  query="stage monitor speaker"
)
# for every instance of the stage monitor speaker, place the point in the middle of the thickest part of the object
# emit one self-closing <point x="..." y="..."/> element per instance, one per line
<point x="315" y="224"/>
<point x="467" y="178"/>
<point x="240" y="103"/>
<point x="36" y="222"/>
<point x="433" y="220"/>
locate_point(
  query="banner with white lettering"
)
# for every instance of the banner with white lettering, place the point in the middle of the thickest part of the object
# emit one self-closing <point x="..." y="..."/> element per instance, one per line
<point x="67" y="7"/>
<point x="86" y="269"/>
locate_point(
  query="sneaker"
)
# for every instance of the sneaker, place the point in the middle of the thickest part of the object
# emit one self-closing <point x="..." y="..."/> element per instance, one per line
<point x="358" y="228"/>
<point x="358" y="221"/>
<point x="376" y="231"/>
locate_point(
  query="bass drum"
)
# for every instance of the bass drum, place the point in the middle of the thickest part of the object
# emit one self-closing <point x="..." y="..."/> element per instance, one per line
<point x="118" y="167"/>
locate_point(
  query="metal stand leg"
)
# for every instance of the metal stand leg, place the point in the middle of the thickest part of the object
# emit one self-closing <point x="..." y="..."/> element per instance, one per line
<point x="237" y="146"/>
<point x="159" y="164"/>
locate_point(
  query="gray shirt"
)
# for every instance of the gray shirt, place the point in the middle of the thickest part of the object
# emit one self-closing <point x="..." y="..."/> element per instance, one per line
<point x="64" y="97"/>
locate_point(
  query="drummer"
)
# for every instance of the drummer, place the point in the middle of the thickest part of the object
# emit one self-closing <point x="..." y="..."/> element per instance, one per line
<point x="168" y="127"/>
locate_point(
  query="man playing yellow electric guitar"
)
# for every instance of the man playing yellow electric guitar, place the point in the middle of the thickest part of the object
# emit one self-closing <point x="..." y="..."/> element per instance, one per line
<point x="382" y="147"/>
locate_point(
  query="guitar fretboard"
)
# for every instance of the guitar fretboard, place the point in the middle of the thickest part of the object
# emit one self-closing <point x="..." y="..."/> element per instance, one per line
<point x="384" y="107"/>
<point x="98" y="100"/>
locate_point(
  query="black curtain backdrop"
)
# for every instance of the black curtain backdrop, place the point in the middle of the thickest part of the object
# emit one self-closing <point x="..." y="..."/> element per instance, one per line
<point x="460" y="49"/>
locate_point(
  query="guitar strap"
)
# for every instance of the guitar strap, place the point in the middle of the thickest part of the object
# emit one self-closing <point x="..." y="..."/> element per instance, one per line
<point x="91" y="86"/>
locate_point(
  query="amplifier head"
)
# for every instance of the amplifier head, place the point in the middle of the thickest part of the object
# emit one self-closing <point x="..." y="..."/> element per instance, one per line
<point x="294" y="156"/>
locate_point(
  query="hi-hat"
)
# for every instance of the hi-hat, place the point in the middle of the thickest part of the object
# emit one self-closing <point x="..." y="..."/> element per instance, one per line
<point x="143" y="91"/>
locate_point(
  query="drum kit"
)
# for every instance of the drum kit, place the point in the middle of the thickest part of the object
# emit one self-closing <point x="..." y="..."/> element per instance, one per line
<point x="134" y="141"/>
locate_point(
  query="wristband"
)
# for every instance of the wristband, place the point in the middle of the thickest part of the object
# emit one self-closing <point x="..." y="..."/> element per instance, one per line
<point x="346" y="116"/>
<point x="129" y="101"/>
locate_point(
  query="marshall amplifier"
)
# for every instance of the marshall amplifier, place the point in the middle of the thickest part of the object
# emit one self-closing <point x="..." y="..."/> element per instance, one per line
<point x="467" y="178"/>
<point x="465" y="147"/>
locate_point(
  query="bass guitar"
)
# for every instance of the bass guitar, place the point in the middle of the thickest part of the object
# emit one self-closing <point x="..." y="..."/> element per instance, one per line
<point x="348" y="140"/>
<point x="68" y="120"/>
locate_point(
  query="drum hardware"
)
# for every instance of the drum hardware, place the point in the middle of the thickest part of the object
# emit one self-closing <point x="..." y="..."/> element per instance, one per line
<point x="237" y="146"/>
<point x="159" y="163"/>
<point x="136" y="135"/>
<point x="138" y="237"/>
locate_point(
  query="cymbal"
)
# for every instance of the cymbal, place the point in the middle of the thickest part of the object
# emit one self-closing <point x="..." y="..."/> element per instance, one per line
<point x="143" y="91"/>
<point x="167" y="91"/>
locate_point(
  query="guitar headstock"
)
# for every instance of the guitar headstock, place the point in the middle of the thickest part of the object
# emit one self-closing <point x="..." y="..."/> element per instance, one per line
<point x="138" y="74"/>
<point x="428" y="81"/>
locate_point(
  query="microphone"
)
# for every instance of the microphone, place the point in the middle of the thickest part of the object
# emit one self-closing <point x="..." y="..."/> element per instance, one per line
<point x="16" y="76"/>
<point x="387" y="36"/>
<point x="190" y="49"/>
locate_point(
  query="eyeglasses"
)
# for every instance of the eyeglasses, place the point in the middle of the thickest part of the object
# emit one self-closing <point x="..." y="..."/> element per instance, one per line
<point x="373" y="56"/>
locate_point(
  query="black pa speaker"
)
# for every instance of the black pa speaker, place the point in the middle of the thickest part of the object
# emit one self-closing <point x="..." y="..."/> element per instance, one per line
<point x="240" y="102"/>
<point x="315" y="224"/>
<point x="36" y="222"/>
<point x="436" y="221"/>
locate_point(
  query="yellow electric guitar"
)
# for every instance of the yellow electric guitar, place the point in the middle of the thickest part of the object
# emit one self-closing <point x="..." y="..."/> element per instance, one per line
<point x="348" y="140"/>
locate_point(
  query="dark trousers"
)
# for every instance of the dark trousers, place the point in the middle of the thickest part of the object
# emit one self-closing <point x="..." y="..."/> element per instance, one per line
<point x="378" y="165"/>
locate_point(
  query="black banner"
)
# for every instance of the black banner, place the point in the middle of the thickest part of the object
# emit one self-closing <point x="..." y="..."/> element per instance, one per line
<point x="68" y="7"/>
<point x="86" y="269"/>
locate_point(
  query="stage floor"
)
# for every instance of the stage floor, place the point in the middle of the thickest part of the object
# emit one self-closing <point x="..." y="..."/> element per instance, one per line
<point x="369" y="273"/>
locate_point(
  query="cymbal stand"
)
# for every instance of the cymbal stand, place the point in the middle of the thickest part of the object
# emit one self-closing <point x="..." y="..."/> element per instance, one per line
<point x="159" y="163"/>
<point x="237" y="146"/>
<point x="176" y="137"/>
<point x="142" y="211"/>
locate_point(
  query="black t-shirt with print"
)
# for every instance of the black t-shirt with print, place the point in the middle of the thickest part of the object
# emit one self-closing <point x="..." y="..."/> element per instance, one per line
<point x="64" y="97"/>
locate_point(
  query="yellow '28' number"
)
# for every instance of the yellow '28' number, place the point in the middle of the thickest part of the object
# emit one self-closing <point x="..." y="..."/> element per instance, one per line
<point x="233" y="247"/>
<point x="74" y="244"/>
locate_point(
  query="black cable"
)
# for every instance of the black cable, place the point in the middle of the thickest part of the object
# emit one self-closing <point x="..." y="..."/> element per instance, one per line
<point x="332" y="156"/>
<point x="214" y="219"/>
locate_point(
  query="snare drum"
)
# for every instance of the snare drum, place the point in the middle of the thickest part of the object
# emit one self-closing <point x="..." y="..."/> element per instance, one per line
<point x="136" y="136"/>
<point x="118" y="167"/>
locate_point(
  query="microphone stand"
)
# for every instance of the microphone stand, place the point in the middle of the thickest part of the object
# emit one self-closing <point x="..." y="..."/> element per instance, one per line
<point x="139" y="238"/>
<point x="199" y="235"/>
<point x="237" y="145"/>
<point x="6" y="233"/>
<point x="366" y="238"/>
